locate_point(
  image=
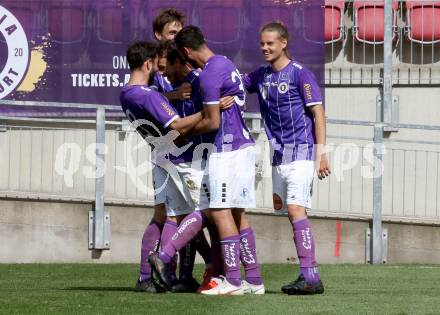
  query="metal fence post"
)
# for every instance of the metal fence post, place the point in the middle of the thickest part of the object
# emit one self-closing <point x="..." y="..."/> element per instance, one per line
<point x="376" y="235"/>
<point x="99" y="220"/>
<point x="387" y="95"/>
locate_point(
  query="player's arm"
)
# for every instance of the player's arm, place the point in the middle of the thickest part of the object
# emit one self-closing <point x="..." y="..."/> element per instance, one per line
<point x="210" y="120"/>
<point x="210" y="85"/>
<point x="311" y="94"/>
<point x="323" y="167"/>
<point x="162" y="110"/>
<point x="250" y="81"/>
<point x="186" y="125"/>
<point x="182" y="93"/>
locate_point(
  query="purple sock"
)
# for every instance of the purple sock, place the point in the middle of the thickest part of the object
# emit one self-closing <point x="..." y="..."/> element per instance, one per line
<point x="187" y="230"/>
<point x="248" y="256"/>
<point x="202" y="247"/>
<point x="231" y="258"/>
<point x="150" y="243"/>
<point x="216" y="258"/>
<point x="169" y="229"/>
<point x="305" y="248"/>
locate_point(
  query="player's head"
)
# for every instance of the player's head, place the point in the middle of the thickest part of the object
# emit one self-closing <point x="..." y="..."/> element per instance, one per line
<point x="176" y="67"/>
<point x="190" y="41"/>
<point x="142" y="56"/>
<point x="274" y="39"/>
<point x="162" y="51"/>
<point x="167" y="24"/>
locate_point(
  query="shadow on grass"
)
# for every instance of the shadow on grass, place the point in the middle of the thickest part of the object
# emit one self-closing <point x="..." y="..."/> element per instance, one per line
<point x="104" y="289"/>
<point x="130" y="289"/>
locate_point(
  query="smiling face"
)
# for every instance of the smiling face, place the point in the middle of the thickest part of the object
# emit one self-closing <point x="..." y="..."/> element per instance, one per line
<point x="169" y="31"/>
<point x="272" y="46"/>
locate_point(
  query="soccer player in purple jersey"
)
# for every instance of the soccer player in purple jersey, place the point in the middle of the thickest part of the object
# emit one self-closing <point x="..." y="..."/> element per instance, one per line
<point x="231" y="166"/>
<point x="139" y="102"/>
<point x="294" y="121"/>
<point x="179" y="72"/>
<point x="165" y="27"/>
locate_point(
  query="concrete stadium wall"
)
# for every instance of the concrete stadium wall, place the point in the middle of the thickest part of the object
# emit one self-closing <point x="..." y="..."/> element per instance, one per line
<point x="43" y="232"/>
<point x="411" y="162"/>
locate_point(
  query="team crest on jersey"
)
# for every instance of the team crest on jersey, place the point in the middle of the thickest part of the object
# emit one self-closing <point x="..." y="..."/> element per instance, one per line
<point x="283" y="87"/>
<point x="17" y="60"/>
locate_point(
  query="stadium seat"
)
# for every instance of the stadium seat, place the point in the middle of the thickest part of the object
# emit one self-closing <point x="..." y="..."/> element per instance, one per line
<point x="334" y="29"/>
<point x="221" y="22"/>
<point x="115" y="25"/>
<point x="369" y="21"/>
<point x="26" y="12"/>
<point x="153" y="8"/>
<point x="66" y="22"/>
<point x="261" y="12"/>
<point x="423" y="21"/>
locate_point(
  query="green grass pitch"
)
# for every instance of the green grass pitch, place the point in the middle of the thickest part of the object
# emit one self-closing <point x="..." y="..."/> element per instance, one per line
<point x="108" y="289"/>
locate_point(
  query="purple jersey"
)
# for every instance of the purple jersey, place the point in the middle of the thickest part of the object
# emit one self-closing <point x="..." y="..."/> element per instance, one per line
<point x="161" y="83"/>
<point x="187" y="108"/>
<point x="139" y="102"/>
<point x="221" y="78"/>
<point x="284" y="98"/>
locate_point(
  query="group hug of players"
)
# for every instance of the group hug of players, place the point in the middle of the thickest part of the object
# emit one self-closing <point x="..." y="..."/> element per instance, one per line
<point x="187" y="102"/>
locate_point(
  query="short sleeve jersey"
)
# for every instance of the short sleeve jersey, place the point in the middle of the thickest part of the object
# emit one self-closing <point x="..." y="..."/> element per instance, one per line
<point x="285" y="97"/>
<point x="221" y="78"/>
<point x="141" y="102"/>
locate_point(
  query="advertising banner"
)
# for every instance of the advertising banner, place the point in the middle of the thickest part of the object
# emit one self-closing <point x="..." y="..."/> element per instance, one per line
<point x="73" y="51"/>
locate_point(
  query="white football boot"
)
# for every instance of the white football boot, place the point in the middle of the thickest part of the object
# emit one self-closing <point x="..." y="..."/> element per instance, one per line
<point x="224" y="288"/>
<point x="249" y="288"/>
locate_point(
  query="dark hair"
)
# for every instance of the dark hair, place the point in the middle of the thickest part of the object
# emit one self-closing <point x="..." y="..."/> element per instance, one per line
<point x="139" y="52"/>
<point x="165" y="17"/>
<point x="163" y="47"/>
<point x="175" y="54"/>
<point x="276" y="27"/>
<point x="191" y="37"/>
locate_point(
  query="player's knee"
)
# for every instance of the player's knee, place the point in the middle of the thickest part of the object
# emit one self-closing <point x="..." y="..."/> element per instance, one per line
<point x="296" y="212"/>
<point x="277" y="202"/>
<point x="179" y="218"/>
<point x="222" y="218"/>
<point x="159" y="213"/>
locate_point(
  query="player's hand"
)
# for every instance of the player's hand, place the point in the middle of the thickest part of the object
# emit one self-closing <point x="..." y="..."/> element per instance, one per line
<point x="323" y="167"/>
<point x="226" y="102"/>
<point x="184" y="91"/>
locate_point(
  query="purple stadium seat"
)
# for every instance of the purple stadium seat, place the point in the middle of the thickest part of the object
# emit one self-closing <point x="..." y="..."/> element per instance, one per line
<point x="66" y="23"/>
<point x="272" y="11"/>
<point x="369" y="20"/>
<point x="423" y="21"/>
<point x="26" y="12"/>
<point x="221" y="21"/>
<point x="113" y="32"/>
